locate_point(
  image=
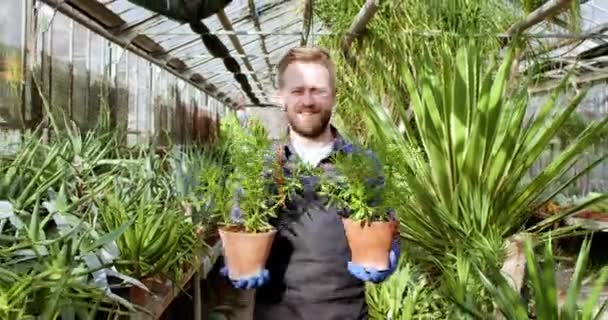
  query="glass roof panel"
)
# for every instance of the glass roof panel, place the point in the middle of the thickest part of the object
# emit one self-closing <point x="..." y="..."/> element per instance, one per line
<point x="280" y="24"/>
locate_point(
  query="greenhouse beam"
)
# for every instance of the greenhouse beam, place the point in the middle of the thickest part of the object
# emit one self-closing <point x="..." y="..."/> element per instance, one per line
<point x="574" y="80"/>
<point x="365" y="14"/>
<point x="306" y="22"/>
<point x="258" y="28"/>
<point x="595" y="31"/>
<point x="547" y="10"/>
<point x="227" y="24"/>
<point x="81" y="18"/>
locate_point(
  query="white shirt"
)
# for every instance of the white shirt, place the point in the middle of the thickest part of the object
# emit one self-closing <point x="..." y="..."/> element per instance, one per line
<point x="312" y="155"/>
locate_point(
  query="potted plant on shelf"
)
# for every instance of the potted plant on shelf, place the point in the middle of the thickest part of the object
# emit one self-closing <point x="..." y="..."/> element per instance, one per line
<point x="246" y="201"/>
<point x="361" y="191"/>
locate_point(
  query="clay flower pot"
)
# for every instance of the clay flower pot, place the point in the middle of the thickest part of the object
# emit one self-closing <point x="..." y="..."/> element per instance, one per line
<point x="140" y="296"/>
<point x="370" y="243"/>
<point x="245" y="254"/>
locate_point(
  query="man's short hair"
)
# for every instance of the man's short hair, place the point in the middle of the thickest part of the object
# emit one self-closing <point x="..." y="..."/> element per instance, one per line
<point x="307" y="54"/>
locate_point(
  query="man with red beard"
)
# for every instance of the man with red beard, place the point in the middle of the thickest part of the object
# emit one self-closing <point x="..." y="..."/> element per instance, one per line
<point x="309" y="275"/>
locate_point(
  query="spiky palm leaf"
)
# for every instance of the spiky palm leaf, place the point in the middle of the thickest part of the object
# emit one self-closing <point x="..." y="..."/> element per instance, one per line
<point x="473" y="189"/>
<point x="549" y="302"/>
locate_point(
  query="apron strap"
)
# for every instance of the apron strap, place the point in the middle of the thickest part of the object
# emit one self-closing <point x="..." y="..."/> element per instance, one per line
<point x="279" y="176"/>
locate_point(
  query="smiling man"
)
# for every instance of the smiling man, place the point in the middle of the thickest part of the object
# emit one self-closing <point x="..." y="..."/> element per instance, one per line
<point x="308" y="274"/>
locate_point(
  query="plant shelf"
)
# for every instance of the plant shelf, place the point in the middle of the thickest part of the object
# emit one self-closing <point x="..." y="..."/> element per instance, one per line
<point x="157" y="301"/>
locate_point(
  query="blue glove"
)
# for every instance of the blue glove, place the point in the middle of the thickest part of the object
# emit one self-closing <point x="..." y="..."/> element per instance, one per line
<point x="249" y="283"/>
<point x="377" y="276"/>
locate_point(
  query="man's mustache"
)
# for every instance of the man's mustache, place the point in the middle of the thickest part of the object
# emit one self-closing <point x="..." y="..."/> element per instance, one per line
<point x="312" y="109"/>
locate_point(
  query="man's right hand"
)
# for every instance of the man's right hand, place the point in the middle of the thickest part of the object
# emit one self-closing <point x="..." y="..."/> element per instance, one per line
<point x="248" y="283"/>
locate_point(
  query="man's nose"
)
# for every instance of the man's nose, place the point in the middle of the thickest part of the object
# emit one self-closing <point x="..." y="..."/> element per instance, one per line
<point x="307" y="98"/>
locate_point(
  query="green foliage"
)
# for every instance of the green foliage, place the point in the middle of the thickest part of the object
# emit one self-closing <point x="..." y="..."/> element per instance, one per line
<point x="251" y="180"/>
<point x="199" y="175"/>
<point x="574" y="126"/>
<point x="47" y="192"/>
<point x="363" y="185"/>
<point x="79" y="207"/>
<point x="405" y="295"/>
<point x="249" y="149"/>
<point x="548" y="302"/>
<point x="155" y="238"/>
<point x="480" y="148"/>
<point x="472" y="189"/>
<point x="401" y="29"/>
<point x="406" y="29"/>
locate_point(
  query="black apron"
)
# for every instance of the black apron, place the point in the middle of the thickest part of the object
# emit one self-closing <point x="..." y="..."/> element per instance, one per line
<point x="309" y="279"/>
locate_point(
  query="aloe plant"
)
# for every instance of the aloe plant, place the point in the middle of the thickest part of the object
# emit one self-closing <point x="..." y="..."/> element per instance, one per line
<point x="50" y="255"/>
<point x="59" y="236"/>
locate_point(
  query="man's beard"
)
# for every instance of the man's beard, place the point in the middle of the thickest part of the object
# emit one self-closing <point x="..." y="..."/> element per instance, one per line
<point x="313" y="130"/>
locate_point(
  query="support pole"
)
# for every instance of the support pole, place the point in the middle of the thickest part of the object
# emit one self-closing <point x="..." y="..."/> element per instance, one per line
<point x="306" y="22"/>
<point x="547" y="10"/>
<point x="198" y="307"/>
<point x="596" y="31"/>
<point x="363" y="17"/>
<point x="256" y="23"/>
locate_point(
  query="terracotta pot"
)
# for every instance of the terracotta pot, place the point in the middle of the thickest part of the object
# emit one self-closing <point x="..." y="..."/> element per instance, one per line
<point x="245" y="254"/>
<point x="140" y="296"/>
<point x="370" y="243"/>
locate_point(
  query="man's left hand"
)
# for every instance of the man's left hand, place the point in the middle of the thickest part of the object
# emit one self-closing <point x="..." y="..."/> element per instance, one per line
<point x="377" y="276"/>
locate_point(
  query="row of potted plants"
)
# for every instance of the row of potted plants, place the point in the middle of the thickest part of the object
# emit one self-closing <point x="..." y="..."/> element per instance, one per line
<point x="83" y="218"/>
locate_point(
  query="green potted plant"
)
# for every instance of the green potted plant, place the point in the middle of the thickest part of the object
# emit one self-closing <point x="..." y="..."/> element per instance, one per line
<point x="361" y="190"/>
<point x="474" y="188"/>
<point x="248" y="200"/>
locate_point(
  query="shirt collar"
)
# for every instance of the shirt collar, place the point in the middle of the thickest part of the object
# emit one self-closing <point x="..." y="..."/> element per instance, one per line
<point x="339" y="145"/>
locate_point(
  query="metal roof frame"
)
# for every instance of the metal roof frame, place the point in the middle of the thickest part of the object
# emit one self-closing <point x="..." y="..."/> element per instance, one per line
<point x="257" y="35"/>
<point x="254" y="34"/>
<point x="584" y="54"/>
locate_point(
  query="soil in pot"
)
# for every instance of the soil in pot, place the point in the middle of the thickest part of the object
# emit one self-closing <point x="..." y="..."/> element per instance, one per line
<point x="245" y="254"/>
<point x="370" y="243"/>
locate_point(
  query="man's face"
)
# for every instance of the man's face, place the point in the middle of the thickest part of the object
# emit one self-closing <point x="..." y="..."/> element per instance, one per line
<point x="309" y="97"/>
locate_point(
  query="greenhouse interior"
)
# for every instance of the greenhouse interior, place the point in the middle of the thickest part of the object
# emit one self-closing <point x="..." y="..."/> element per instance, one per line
<point x="304" y="159"/>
